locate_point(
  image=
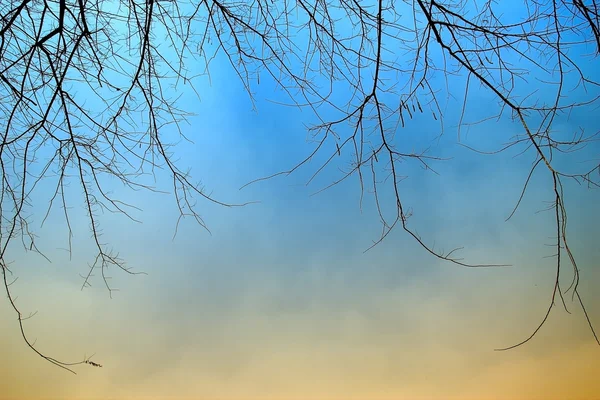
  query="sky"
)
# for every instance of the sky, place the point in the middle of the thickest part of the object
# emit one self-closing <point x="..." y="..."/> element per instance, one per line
<point x="280" y="300"/>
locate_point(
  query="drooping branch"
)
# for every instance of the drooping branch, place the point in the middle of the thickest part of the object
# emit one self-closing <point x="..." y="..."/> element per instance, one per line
<point x="88" y="90"/>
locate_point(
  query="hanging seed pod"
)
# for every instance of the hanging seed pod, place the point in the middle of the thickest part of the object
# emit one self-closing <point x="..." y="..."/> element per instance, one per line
<point x="401" y="117"/>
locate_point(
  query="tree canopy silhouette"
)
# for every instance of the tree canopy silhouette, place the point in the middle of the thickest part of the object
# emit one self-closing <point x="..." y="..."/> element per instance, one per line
<point x="88" y="87"/>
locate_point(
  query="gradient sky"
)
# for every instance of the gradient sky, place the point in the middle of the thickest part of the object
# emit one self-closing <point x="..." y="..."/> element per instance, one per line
<point x="280" y="301"/>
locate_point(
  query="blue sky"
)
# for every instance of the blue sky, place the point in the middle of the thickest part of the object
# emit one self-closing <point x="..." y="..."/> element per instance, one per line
<point x="280" y="301"/>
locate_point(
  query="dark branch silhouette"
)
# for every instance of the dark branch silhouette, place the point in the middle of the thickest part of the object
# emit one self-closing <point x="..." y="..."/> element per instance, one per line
<point x="88" y="89"/>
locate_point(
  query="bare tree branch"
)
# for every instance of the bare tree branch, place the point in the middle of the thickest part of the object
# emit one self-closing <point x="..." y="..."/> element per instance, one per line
<point x="88" y="88"/>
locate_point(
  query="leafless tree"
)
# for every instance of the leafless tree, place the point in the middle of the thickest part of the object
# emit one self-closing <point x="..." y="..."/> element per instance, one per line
<point x="59" y="59"/>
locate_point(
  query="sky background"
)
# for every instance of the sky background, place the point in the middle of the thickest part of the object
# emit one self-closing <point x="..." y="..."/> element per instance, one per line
<point x="280" y="301"/>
